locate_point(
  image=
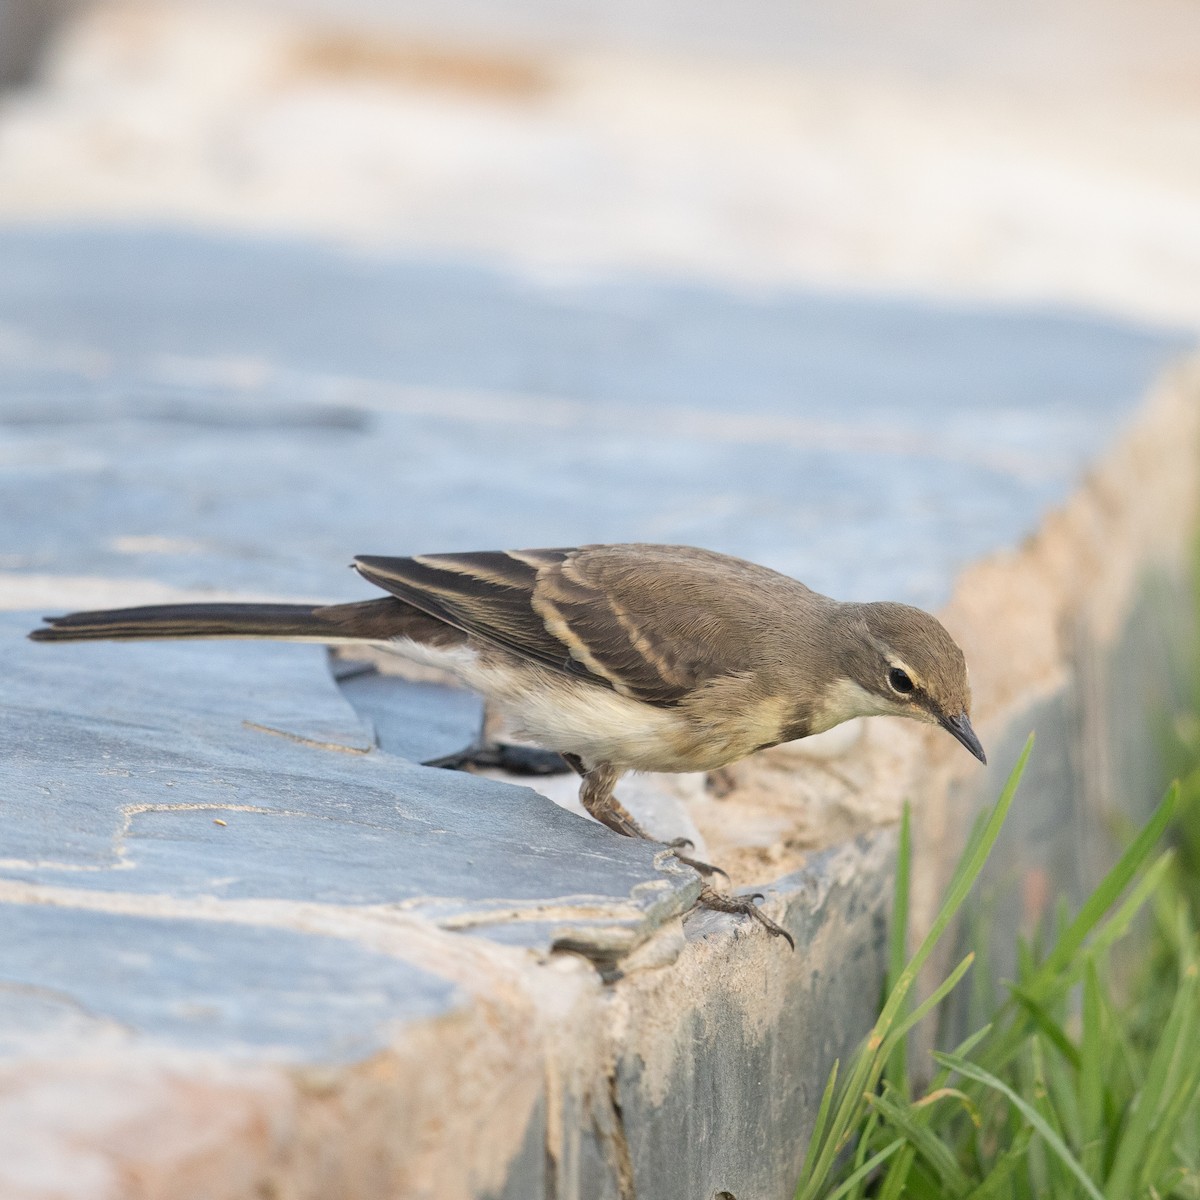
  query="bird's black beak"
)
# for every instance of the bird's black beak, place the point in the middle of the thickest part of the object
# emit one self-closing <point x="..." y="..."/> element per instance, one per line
<point x="960" y="727"/>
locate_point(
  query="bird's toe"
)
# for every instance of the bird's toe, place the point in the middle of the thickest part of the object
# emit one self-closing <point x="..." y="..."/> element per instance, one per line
<point x="707" y="870"/>
<point x="718" y="901"/>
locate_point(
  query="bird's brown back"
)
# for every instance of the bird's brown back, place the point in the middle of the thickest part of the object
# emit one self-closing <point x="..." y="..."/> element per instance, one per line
<point x="652" y="622"/>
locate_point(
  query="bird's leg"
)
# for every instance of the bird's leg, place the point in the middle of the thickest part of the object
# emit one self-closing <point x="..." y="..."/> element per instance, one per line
<point x="597" y="795"/>
<point x="705" y="869"/>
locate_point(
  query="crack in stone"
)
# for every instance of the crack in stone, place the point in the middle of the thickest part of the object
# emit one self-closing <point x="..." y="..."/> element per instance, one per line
<point x="555" y="911"/>
<point x="298" y="915"/>
<point x="611" y="1128"/>
<point x="301" y="740"/>
<point x="121" y="857"/>
<point x="363" y="925"/>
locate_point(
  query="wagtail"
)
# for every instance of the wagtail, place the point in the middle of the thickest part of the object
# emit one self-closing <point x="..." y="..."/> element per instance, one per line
<point x="623" y="657"/>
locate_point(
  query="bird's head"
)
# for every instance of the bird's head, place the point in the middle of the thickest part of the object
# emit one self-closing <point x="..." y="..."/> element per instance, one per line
<point x="898" y="660"/>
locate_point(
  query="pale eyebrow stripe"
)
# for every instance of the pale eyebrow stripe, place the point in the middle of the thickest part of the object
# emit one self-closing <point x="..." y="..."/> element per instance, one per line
<point x="901" y="665"/>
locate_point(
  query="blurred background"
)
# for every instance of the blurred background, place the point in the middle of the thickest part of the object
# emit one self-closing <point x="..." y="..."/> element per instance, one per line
<point x="1023" y="151"/>
<point x="1015" y="151"/>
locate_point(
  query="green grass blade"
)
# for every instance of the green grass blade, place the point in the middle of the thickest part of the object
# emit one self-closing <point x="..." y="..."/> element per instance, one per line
<point x="1117" y="925"/>
<point x="998" y="1180"/>
<point x="895" y="1182"/>
<point x="1113" y="884"/>
<point x="952" y="1180"/>
<point x="869" y="1063"/>
<point x="1045" y="1099"/>
<point x="1172" y="1059"/>
<point x="964" y="879"/>
<point x="897" y="1061"/>
<point x="861" y="1173"/>
<point x="929" y="1004"/>
<point x="1126" y="1066"/>
<point x="1092" y="1054"/>
<point x="866" y="1139"/>
<point x="1044" y="986"/>
<point x="820" y="1125"/>
<point x="1046" y="1025"/>
<point x="1031" y="1115"/>
<point x="970" y="1042"/>
<point x="1062" y="1094"/>
<point x="1168" y="1128"/>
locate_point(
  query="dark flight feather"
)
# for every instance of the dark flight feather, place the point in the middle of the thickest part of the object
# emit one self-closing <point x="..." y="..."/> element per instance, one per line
<point x="370" y="620"/>
<point x="487" y="595"/>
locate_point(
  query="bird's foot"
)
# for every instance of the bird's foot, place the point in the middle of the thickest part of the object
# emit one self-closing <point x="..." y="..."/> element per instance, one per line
<point x="710" y="898"/>
<point x="507" y="756"/>
<point x="702" y="868"/>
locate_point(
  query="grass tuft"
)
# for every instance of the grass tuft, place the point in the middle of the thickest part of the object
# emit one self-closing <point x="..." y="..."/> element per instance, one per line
<point x="1082" y="1081"/>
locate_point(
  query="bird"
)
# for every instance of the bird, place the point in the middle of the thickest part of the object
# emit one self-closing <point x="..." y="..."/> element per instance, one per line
<point x="619" y="657"/>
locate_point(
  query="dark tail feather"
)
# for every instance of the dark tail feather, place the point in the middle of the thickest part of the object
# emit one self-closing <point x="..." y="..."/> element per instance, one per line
<point x="369" y="621"/>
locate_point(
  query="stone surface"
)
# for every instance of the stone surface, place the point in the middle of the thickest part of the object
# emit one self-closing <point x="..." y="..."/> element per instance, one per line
<point x="418" y="721"/>
<point x="185" y="415"/>
<point x="247" y="993"/>
<point x="135" y="752"/>
<point x="870" y="447"/>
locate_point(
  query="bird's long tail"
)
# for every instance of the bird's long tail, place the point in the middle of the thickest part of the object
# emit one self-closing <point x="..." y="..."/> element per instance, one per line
<point x="379" y="620"/>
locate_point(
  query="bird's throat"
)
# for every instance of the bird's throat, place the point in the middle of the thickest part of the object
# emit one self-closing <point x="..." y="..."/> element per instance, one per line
<point x="844" y="699"/>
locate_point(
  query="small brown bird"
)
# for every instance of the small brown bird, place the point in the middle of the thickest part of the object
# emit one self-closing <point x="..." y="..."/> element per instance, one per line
<point x="623" y="657"/>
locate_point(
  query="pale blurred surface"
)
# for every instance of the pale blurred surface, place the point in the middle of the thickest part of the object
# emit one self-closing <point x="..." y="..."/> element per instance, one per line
<point x="1027" y="153"/>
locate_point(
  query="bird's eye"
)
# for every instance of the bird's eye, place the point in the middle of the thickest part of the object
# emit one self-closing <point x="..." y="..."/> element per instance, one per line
<point x="900" y="682"/>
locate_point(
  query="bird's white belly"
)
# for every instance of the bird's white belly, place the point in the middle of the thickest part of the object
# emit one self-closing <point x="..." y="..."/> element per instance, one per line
<point x="602" y="726"/>
<point x="572" y="716"/>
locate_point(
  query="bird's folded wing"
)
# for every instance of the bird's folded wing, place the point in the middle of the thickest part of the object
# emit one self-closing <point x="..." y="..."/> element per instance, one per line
<point x="651" y="622"/>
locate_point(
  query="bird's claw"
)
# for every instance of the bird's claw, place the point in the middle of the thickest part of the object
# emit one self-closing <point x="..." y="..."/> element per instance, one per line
<point x="710" y="898"/>
<point x="707" y="870"/>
